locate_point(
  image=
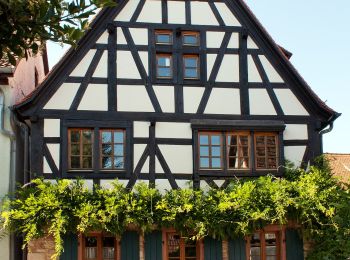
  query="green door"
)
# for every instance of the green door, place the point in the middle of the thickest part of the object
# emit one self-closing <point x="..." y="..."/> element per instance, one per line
<point x="70" y="247"/>
<point x="212" y="249"/>
<point x="294" y="245"/>
<point x="153" y="246"/>
<point x="130" y="246"/>
<point x="236" y="249"/>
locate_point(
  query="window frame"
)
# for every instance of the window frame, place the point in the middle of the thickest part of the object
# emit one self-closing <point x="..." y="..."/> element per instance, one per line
<point x="171" y="67"/>
<point x="96" y="172"/>
<point x="112" y="130"/>
<point x="163" y="32"/>
<point x="190" y="33"/>
<point x="266" y="134"/>
<point x="197" y="68"/>
<point x="238" y="133"/>
<point x="81" y="145"/>
<point x="99" y="236"/>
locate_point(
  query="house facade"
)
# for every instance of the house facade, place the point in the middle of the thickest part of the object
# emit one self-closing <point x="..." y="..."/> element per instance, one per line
<point x="174" y="94"/>
<point x="15" y="83"/>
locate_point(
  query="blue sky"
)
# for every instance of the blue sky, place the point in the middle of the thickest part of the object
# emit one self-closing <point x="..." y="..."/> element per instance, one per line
<point x="318" y="35"/>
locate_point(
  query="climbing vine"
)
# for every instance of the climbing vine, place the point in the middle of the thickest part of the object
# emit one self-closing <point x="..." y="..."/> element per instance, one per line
<point x="313" y="199"/>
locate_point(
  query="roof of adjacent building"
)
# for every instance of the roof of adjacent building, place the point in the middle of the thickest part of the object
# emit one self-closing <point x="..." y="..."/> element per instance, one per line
<point x="340" y="165"/>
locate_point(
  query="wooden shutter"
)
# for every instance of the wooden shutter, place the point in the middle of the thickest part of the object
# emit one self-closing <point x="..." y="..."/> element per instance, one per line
<point x="70" y="247"/>
<point x="236" y="249"/>
<point x="212" y="249"/>
<point x="153" y="246"/>
<point x="130" y="246"/>
<point x="294" y="245"/>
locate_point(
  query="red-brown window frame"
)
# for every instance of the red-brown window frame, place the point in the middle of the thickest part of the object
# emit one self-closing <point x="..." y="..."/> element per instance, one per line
<point x="210" y="149"/>
<point x="190" y="33"/>
<point x="168" y="55"/>
<point x="163" y="32"/>
<point x="81" y="156"/>
<point x="184" y="66"/>
<point x="99" y="236"/>
<point x="238" y="133"/>
<point x="112" y="144"/>
<point x="266" y="134"/>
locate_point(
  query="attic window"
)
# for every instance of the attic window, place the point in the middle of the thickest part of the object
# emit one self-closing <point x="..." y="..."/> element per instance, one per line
<point x="190" y="38"/>
<point x="164" y="37"/>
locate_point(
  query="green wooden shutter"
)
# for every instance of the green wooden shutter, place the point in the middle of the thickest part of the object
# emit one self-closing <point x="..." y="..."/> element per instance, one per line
<point x="70" y="247"/>
<point x="212" y="249"/>
<point x="153" y="246"/>
<point x="236" y="249"/>
<point x="294" y="245"/>
<point x="130" y="249"/>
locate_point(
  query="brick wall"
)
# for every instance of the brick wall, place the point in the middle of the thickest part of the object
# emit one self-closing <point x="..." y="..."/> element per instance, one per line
<point x="41" y="249"/>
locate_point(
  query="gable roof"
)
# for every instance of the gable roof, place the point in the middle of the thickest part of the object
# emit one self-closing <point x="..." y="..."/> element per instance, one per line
<point x="340" y="165"/>
<point x="279" y="54"/>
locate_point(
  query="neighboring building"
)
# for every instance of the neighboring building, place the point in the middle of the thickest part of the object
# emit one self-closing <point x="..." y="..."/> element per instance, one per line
<point x="168" y="92"/>
<point x="340" y="165"/>
<point x="15" y="83"/>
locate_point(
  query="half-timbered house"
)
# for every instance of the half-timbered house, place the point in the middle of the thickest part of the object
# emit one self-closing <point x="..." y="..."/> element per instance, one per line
<point x="171" y="93"/>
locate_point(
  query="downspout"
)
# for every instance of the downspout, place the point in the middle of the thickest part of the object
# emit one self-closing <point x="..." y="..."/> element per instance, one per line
<point x="327" y="130"/>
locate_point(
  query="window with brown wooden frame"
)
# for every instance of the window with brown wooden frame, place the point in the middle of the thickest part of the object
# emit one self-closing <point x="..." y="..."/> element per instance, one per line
<point x="80" y="142"/>
<point x="180" y="248"/>
<point x="164" y="37"/>
<point x="190" y="38"/>
<point x="164" y="65"/>
<point x="191" y="66"/>
<point x="266" y="150"/>
<point x="112" y="147"/>
<point x="264" y="245"/>
<point x="210" y="150"/>
<point x="98" y="246"/>
<point x="238" y="150"/>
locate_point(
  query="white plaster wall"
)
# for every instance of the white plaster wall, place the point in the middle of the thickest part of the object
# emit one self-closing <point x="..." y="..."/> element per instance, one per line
<point x="163" y="185"/>
<point x="227" y="15"/>
<point x="139" y="35"/>
<point x="210" y="63"/>
<point x="223" y="101"/>
<point x="141" y="129"/>
<point x="219" y="182"/>
<point x="103" y="38"/>
<point x="127" y="12"/>
<point x="234" y="41"/>
<point x="133" y="99"/>
<point x="159" y="168"/>
<point x="178" y="158"/>
<point x="144" y="59"/>
<point x="271" y="72"/>
<point x="289" y="103"/>
<point x="54" y="150"/>
<point x="204" y="186"/>
<point x="63" y="97"/>
<point x="294" y="154"/>
<point x="295" y="132"/>
<point x="253" y="73"/>
<point x="202" y="14"/>
<point x="81" y="68"/>
<point x="251" y="43"/>
<point x="120" y="36"/>
<point x="166" y="99"/>
<point x="52" y="127"/>
<point x="192" y="98"/>
<point x="173" y="130"/>
<point x="260" y="102"/>
<point x="151" y="12"/>
<point x="229" y="69"/>
<point x="176" y="12"/>
<point x="184" y="184"/>
<point x="138" y="151"/>
<point x="214" y="39"/>
<point x="126" y="66"/>
<point x="46" y="167"/>
<point x="145" y="167"/>
<point x="95" y="98"/>
<point x="101" y="69"/>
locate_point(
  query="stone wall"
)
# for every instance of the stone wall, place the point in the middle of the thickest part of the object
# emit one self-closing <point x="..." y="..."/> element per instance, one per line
<point x="41" y="249"/>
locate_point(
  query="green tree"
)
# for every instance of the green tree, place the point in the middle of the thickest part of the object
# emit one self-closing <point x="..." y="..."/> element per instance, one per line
<point x="27" y="24"/>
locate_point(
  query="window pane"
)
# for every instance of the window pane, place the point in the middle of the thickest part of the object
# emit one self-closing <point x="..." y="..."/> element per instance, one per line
<point x="216" y="163"/>
<point x="90" y="248"/>
<point x="271" y="257"/>
<point x="108" y="248"/>
<point x="106" y="162"/>
<point x="260" y="140"/>
<point x="119" y="162"/>
<point x="191" y="73"/>
<point x="87" y="136"/>
<point x="260" y="151"/>
<point x="272" y="163"/>
<point x="215" y="151"/>
<point x="215" y="140"/>
<point x="173" y="245"/>
<point x="204" y="162"/>
<point x="106" y="137"/>
<point x="232" y="162"/>
<point x="243" y="140"/>
<point x="204" y="139"/>
<point x="190" y="62"/>
<point x="261" y="163"/>
<point x="204" y="151"/>
<point x="164" y="72"/>
<point x="118" y="137"/>
<point x="233" y="151"/>
<point x="271" y="140"/>
<point x="164" y="38"/>
<point x="87" y="162"/>
<point x="232" y="140"/>
<point x="119" y="150"/>
<point x="245" y="151"/>
<point x="244" y="163"/>
<point x="106" y="149"/>
<point x="87" y="149"/>
<point x="164" y="61"/>
<point x="74" y="136"/>
<point x="75" y="162"/>
<point x="75" y="149"/>
<point x="190" y="39"/>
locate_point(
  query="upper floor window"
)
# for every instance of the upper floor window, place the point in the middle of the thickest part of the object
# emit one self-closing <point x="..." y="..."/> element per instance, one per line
<point x="180" y="248"/>
<point x="191" y="66"/>
<point x="210" y="150"/>
<point x="164" y="37"/>
<point x="80" y="148"/>
<point x="190" y="38"/>
<point x="266" y="151"/>
<point x="238" y="150"/>
<point x="112" y="149"/>
<point x="264" y="246"/>
<point x="164" y="66"/>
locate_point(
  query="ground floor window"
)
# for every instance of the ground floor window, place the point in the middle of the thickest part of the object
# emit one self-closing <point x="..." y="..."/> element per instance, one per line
<point x="98" y="246"/>
<point x="180" y="248"/>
